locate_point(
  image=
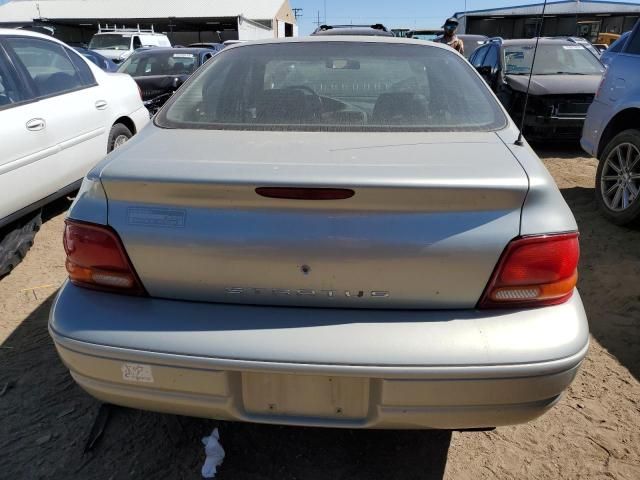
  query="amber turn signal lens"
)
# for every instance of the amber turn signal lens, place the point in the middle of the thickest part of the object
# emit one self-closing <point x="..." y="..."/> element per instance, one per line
<point x="534" y="271"/>
<point x="97" y="259"/>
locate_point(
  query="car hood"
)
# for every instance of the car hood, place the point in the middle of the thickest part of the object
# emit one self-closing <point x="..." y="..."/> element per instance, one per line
<point x="555" y="84"/>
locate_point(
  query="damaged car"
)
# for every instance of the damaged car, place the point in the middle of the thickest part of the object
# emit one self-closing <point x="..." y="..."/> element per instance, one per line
<point x="564" y="82"/>
<point x="337" y="231"/>
<point x="160" y="71"/>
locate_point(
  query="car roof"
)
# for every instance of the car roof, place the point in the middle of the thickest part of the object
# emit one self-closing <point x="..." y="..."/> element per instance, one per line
<point x="355" y="31"/>
<point x="426" y="30"/>
<point x="193" y="50"/>
<point x="532" y="41"/>
<point x="28" y="33"/>
<point x="131" y="34"/>
<point x="343" y="39"/>
<point x="472" y="36"/>
<point x="374" y="30"/>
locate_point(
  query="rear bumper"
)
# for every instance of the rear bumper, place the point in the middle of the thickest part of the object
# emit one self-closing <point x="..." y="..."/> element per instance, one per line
<point x="335" y="368"/>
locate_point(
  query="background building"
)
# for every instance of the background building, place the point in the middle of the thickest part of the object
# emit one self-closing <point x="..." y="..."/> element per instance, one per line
<point x="584" y="18"/>
<point x="186" y="21"/>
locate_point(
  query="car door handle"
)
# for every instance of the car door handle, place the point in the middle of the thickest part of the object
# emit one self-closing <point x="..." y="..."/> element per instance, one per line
<point x="36" y="124"/>
<point x="101" y="104"/>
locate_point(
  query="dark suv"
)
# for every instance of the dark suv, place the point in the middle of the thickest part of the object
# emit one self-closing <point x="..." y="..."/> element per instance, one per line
<point x="564" y="82"/>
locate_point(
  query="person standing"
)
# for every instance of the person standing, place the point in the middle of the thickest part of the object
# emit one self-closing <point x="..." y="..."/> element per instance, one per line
<point x="450" y="38"/>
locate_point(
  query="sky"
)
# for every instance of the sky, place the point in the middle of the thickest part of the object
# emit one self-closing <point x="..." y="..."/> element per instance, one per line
<point x="391" y="13"/>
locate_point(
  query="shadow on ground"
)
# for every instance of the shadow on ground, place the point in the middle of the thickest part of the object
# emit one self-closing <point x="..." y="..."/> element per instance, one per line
<point x="609" y="273"/>
<point x="46" y="417"/>
<point x="563" y="149"/>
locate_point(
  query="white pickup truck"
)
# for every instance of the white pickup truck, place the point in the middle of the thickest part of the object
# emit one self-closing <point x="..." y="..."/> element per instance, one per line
<point x="59" y="116"/>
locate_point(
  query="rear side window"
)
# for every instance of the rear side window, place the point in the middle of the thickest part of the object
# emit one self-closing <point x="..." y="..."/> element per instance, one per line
<point x="48" y="65"/>
<point x="86" y="75"/>
<point x="347" y="86"/>
<point x="633" y="44"/>
<point x="10" y="91"/>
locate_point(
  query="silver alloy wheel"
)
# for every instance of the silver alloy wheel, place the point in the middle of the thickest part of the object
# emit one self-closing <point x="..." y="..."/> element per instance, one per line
<point x="119" y="141"/>
<point x="620" y="180"/>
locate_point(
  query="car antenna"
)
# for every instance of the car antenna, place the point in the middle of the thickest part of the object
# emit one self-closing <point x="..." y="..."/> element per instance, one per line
<point x="519" y="141"/>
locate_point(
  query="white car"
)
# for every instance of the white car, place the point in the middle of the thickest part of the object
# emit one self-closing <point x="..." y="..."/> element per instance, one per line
<point x="59" y="116"/>
<point x="118" y="44"/>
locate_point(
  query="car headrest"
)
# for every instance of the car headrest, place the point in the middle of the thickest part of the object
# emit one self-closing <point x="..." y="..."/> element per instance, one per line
<point x="400" y="108"/>
<point x="288" y="105"/>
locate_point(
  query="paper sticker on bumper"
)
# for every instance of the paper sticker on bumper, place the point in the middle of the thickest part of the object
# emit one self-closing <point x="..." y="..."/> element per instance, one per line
<point x="134" y="372"/>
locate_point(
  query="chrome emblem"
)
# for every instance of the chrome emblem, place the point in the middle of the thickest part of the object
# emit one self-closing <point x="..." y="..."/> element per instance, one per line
<point x="286" y="292"/>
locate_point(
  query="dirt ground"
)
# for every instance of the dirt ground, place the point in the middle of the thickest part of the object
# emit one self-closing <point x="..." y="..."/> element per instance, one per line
<point x="593" y="433"/>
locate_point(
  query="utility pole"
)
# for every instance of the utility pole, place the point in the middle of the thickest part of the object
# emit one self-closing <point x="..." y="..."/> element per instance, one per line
<point x="297" y="12"/>
<point x="318" y="22"/>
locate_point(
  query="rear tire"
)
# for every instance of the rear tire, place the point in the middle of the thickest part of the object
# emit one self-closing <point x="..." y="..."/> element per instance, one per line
<point x="118" y="136"/>
<point x="16" y="243"/>
<point x="618" y="179"/>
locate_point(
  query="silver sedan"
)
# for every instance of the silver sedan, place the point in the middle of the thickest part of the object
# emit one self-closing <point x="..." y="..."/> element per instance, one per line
<point x="329" y="231"/>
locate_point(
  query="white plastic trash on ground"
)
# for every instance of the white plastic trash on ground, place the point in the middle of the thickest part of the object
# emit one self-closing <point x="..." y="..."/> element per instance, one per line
<point x="214" y="452"/>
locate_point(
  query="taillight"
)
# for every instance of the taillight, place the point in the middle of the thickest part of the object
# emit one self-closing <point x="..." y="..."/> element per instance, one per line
<point x="534" y="272"/>
<point x="97" y="259"/>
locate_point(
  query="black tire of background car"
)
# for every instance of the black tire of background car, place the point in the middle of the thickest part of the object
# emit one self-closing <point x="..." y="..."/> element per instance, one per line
<point x="632" y="214"/>
<point x="17" y="241"/>
<point x="117" y="130"/>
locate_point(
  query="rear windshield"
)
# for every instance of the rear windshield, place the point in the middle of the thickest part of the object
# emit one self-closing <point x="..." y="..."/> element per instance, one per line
<point x="336" y="86"/>
<point x="551" y="60"/>
<point x="159" y="63"/>
<point x="110" y="41"/>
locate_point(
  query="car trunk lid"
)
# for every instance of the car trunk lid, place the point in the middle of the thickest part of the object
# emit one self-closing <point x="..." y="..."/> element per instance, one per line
<point x="426" y="221"/>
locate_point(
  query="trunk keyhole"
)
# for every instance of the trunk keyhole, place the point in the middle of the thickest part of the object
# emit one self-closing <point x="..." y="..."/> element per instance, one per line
<point x="306" y="269"/>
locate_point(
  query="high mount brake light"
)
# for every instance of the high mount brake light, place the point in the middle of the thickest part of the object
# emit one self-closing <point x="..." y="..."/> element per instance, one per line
<point x="534" y="272"/>
<point x="97" y="259"/>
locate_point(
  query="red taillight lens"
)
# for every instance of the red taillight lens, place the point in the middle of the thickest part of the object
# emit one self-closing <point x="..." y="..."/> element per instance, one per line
<point x="96" y="259"/>
<point x="533" y="272"/>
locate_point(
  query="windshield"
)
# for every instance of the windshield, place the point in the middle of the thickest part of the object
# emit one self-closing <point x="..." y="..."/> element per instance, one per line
<point x="551" y="60"/>
<point x="335" y="86"/>
<point x="110" y="41"/>
<point x="159" y="63"/>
